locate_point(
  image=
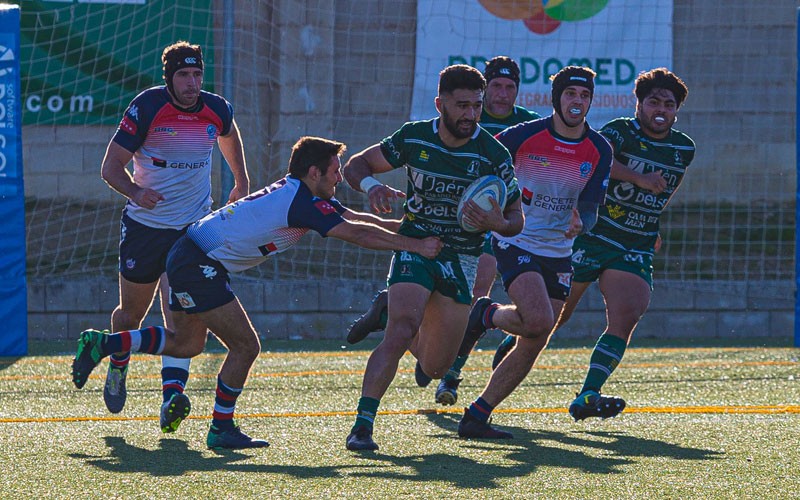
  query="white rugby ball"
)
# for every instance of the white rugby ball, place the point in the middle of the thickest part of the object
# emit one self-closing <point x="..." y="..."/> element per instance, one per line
<point x="481" y="191"/>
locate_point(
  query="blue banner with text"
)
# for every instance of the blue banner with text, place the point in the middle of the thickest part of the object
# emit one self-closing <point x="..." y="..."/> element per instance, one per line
<point x="13" y="290"/>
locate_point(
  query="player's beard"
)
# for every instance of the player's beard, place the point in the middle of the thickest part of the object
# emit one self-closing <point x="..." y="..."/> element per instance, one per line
<point x="453" y="128"/>
<point x="188" y="99"/>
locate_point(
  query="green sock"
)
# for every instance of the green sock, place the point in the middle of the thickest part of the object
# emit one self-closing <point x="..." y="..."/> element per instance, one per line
<point x="455" y="371"/>
<point x="367" y="409"/>
<point x="606" y="356"/>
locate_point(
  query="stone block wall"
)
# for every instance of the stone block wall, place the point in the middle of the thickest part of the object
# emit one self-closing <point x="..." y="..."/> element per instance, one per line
<point x="307" y="309"/>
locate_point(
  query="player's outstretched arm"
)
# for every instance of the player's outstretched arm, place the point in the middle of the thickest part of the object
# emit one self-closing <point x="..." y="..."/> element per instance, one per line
<point x="377" y="238"/>
<point x="388" y="224"/>
<point x="358" y="173"/>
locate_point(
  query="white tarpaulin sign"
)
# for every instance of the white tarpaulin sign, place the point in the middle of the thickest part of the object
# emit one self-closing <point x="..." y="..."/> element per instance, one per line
<point x="616" y="38"/>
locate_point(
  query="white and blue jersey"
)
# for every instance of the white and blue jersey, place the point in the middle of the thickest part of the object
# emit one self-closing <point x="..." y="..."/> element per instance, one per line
<point x="242" y="234"/>
<point x="172" y="154"/>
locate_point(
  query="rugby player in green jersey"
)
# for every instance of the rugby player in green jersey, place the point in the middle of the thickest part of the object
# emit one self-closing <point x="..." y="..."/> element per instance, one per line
<point x="650" y="160"/>
<point x="429" y="299"/>
<point x="499" y="112"/>
<point x="502" y="76"/>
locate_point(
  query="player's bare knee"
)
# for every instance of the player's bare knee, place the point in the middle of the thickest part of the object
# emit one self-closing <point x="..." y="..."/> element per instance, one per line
<point x="436" y="372"/>
<point x="126" y="319"/>
<point x="401" y="330"/>
<point x="535" y="330"/>
<point x="247" y="348"/>
<point x="394" y="345"/>
<point x="627" y="316"/>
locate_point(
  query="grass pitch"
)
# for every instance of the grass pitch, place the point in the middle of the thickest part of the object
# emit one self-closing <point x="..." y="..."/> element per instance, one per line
<point x="710" y="421"/>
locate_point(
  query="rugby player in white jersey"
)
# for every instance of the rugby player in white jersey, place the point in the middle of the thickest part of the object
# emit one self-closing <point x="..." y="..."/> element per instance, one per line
<point x="236" y="237"/>
<point x="169" y="133"/>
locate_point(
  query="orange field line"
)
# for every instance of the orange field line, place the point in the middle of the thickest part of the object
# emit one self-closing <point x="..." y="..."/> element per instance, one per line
<point x="729" y="410"/>
<point x="312" y="373"/>
<point x="354" y="353"/>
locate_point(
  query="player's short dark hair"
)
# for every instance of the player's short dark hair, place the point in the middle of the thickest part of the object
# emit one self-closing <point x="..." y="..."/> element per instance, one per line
<point x="308" y="151"/>
<point x="660" y="78"/>
<point x="460" y="76"/>
<point x="501" y="67"/>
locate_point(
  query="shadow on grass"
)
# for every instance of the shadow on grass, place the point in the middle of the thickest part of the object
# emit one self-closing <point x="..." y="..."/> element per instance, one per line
<point x="175" y="458"/>
<point x="592" y="452"/>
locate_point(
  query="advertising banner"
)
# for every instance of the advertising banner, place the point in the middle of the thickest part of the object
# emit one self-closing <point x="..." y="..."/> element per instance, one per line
<point x="13" y="290"/>
<point x="83" y="61"/>
<point x="616" y="38"/>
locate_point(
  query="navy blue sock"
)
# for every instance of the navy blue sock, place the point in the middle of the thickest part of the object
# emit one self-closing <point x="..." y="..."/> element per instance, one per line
<point x="481" y="410"/>
<point x="173" y="381"/>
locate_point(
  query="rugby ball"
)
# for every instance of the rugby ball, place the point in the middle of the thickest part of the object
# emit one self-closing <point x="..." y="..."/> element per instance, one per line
<point x="481" y="191"/>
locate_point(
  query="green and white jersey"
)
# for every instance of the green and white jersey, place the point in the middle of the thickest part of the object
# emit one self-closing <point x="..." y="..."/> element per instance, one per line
<point x="495" y="125"/>
<point x="437" y="177"/>
<point x="629" y="220"/>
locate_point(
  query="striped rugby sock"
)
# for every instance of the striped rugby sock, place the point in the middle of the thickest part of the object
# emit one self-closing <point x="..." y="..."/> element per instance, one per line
<point x="224" y="405"/>
<point x="174" y="375"/>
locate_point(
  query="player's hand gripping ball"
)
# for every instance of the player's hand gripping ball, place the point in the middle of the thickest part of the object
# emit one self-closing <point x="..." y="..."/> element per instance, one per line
<point x="481" y="191"/>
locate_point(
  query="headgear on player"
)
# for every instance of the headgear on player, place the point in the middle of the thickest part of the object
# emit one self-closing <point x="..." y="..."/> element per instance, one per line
<point x="180" y="55"/>
<point x="571" y="75"/>
<point x="501" y="67"/>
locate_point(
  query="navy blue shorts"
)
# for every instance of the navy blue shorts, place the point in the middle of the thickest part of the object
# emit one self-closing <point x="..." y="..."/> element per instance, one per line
<point x="513" y="261"/>
<point x="197" y="283"/>
<point x="143" y="250"/>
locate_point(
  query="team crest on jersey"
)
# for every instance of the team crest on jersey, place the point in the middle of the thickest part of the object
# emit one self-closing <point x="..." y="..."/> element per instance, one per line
<point x="527" y="196"/>
<point x="185" y="300"/>
<point x="615" y="211"/>
<point x="130" y="263"/>
<point x="586" y="169"/>
<point x="211" y="130"/>
<point x="678" y="159"/>
<point x="474" y="167"/>
<point x="324" y="207"/>
<point x="565" y="279"/>
<point x="424" y="156"/>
